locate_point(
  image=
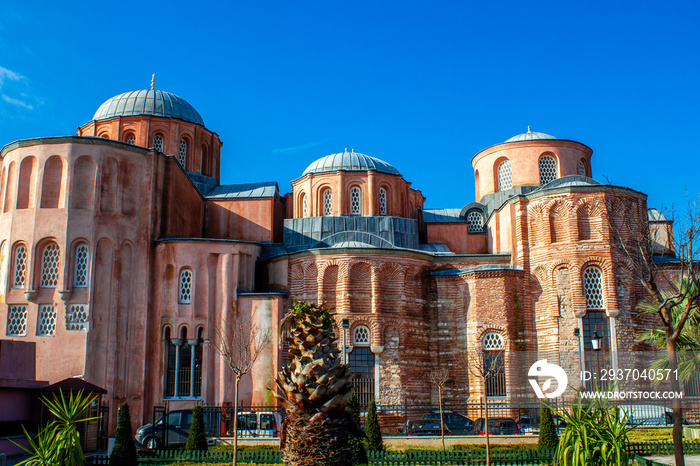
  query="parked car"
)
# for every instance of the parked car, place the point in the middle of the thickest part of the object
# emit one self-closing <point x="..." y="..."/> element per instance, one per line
<point x="648" y="415"/>
<point x="531" y="424"/>
<point x="497" y="426"/>
<point x="259" y="424"/>
<point x="455" y="422"/>
<point x="423" y="427"/>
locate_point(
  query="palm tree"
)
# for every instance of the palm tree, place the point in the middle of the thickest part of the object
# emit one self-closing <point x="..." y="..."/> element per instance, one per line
<point x="314" y="389"/>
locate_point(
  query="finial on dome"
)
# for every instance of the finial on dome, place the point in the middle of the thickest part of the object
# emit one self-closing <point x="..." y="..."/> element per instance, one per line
<point x="153" y="81"/>
<point x="346" y="149"/>
<point x="528" y="129"/>
<point x="353" y="151"/>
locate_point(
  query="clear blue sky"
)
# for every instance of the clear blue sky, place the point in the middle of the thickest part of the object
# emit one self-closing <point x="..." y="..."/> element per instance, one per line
<point x="421" y="85"/>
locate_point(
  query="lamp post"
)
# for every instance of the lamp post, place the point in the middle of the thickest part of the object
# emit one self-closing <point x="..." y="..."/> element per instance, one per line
<point x="346" y="326"/>
<point x="596" y="344"/>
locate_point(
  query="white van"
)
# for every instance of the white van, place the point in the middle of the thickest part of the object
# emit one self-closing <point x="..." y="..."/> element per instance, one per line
<point x="256" y="424"/>
<point x="648" y="415"/>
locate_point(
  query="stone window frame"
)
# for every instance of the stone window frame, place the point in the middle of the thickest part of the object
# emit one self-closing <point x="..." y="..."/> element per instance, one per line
<point x="355" y="200"/>
<point x="548" y="168"/>
<point x="16" y="320"/>
<point x="383" y="201"/>
<point x="185" y="286"/>
<point x="504" y="175"/>
<point x="81" y="265"/>
<point x="19" y="266"/>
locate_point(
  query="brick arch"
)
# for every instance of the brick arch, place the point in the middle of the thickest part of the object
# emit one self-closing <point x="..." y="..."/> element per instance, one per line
<point x="296" y="281"/>
<point x="329" y="285"/>
<point x="589" y="219"/>
<point x="500" y="329"/>
<point x="391" y="287"/>
<point x="559" y="221"/>
<point x="496" y="164"/>
<point x="371" y="324"/>
<point x="311" y="282"/>
<point x="360" y="286"/>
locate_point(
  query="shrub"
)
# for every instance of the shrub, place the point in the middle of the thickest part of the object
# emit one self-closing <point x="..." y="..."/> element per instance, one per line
<point x="372" y="429"/>
<point x="197" y="439"/>
<point x="548" y="437"/>
<point x="124" y="451"/>
<point x="357" y="444"/>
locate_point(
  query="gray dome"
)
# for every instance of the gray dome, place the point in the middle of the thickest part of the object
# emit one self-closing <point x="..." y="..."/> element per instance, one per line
<point x="350" y="161"/>
<point x="530" y="136"/>
<point x="148" y="102"/>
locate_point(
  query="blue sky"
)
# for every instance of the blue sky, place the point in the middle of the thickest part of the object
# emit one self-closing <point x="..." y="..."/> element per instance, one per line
<point x="421" y="85"/>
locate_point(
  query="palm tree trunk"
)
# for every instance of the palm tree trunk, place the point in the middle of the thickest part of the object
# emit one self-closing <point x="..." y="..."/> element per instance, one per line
<point x="677" y="409"/>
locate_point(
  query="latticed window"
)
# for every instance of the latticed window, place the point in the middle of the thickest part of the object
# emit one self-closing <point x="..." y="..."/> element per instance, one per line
<point x="185" y="286"/>
<point x="593" y="287"/>
<point x="494" y="364"/>
<point x="16" y="321"/>
<point x="362" y="362"/>
<point x="475" y="220"/>
<point x="361" y="335"/>
<point x="548" y="169"/>
<point x="182" y="157"/>
<point x="77" y="317"/>
<point x="304" y="206"/>
<point x="46" y="324"/>
<point x="82" y="261"/>
<point x="355" y="201"/>
<point x="581" y="168"/>
<point x="382" y="201"/>
<point x="505" y="178"/>
<point x="49" y="266"/>
<point x="327" y="202"/>
<point x="158" y="143"/>
<point x="492" y="341"/>
<point x="131" y="139"/>
<point x="184" y="366"/>
<point x="20" y="266"/>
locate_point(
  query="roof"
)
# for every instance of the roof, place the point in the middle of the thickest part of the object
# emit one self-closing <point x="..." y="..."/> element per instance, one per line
<point x="73" y="384"/>
<point x="442" y="216"/>
<point x="148" y="102"/>
<point x="350" y="161"/>
<point x="655" y="215"/>
<point x="530" y="136"/>
<point x="242" y="191"/>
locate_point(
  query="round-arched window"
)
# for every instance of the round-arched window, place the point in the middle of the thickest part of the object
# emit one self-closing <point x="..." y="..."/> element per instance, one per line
<point x="182" y="157"/>
<point x="548" y="169"/>
<point x="327" y="202"/>
<point x="382" y="201"/>
<point x="131" y="139"/>
<point x="492" y="341"/>
<point x="158" y="143"/>
<point x="355" y="201"/>
<point x="360" y="336"/>
<point x="581" y="168"/>
<point x="505" y="179"/>
<point x="593" y="287"/>
<point x="185" y="296"/>
<point x="475" y="220"/>
<point x="304" y="206"/>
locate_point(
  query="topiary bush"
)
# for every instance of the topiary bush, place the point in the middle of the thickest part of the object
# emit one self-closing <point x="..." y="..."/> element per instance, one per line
<point x="124" y="451"/>
<point x="372" y="429"/>
<point x="357" y="444"/>
<point x="548" y="437"/>
<point x="197" y="439"/>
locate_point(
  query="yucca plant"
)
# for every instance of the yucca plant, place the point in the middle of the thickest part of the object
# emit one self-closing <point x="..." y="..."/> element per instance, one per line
<point x="314" y="389"/>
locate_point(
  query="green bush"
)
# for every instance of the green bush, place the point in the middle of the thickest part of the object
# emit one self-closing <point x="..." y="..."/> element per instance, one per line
<point x="372" y="429"/>
<point x="124" y="451"/>
<point x="548" y="437"/>
<point x="357" y="444"/>
<point x="197" y="439"/>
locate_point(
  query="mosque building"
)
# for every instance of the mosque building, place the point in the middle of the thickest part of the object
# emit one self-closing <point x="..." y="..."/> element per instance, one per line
<point x="122" y="252"/>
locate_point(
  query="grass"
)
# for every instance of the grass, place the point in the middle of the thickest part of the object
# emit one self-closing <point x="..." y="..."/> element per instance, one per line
<point x="650" y="434"/>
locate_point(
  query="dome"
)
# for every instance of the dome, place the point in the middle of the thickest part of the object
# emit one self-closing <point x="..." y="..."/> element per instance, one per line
<point x="148" y="102"/>
<point x="530" y="136"/>
<point x="350" y="161"/>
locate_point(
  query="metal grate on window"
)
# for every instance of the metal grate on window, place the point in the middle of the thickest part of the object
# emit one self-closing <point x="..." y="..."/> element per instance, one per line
<point x="16" y="321"/>
<point x="475" y="220"/>
<point x="49" y="266"/>
<point x="158" y="143"/>
<point x="505" y="179"/>
<point x="382" y="201"/>
<point x="355" y="201"/>
<point x="361" y="335"/>
<point x="131" y="139"/>
<point x="581" y="168"/>
<point x="182" y="158"/>
<point x="77" y="317"/>
<point x="548" y="169"/>
<point x="593" y="287"/>
<point x="492" y="341"/>
<point x="47" y="320"/>
<point x="185" y="286"/>
<point x="20" y="266"/>
<point x="304" y="206"/>
<point x="82" y="259"/>
<point x="327" y="202"/>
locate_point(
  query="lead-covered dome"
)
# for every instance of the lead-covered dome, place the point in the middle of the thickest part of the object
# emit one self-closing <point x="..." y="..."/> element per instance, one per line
<point x="530" y="136"/>
<point x="148" y="102"/>
<point x="350" y="161"/>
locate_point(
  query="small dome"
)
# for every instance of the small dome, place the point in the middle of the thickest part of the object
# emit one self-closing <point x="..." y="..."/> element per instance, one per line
<point x="530" y="136"/>
<point x="148" y="102"/>
<point x="349" y="161"/>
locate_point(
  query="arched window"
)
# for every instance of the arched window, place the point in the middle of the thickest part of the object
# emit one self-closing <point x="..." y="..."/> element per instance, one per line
<point x="182" y="157"/>
<point x="494" y="363"/>
<point x="327" y="202"/>
<point x="355" y="201"/>
<point x="505" y="179"/>
<point x="362" y="362"/>
<point x="46" y="324"/>
<point x="50" y="260"/>
<point x="548" y="169"/>
<point x="304" y="206"/>
<point x="595" y="322"/>
<point x="475" y="220"/>
<point x="185" y="286"/>
<point x="382" y="201"/>
<point x="593" y="288"/>
<point x="104" y="136"/>
<point x="20" y="268"/>
<point x="360" y="336"/>
<point x="51" y="182"/>
<point x="203" y="160"/>
<point x="82" y="265"/>
<point x="581" y="168"/>
<point x="158" y="143"/>
<point x="183" y="365"/>
<point x="131" y="139"/>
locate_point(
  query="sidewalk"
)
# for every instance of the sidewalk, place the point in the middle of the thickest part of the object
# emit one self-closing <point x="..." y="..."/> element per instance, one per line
<point x="689" y="460"/>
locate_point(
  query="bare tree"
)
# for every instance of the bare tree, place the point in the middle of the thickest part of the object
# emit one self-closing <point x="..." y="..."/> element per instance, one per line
<point x="240" y="344"/>
<point x="673" y="286"/>
<point x="440" y="377"/>
<point x="485" y="365"/>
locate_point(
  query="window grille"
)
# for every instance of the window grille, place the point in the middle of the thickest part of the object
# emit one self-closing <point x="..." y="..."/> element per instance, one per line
<point x="494" y="366"/>
<point x="361" y="335"/>
<point x="82" y="260"/>
<point x="475" y="220"/>
<point x="492" y="341"/>
<point x="362" y="362"/>
<point x="581" y="168"/>
<point x="16" y="321"/>
<point x="304" y="206"/>
<point x="184" y="368"/>
<point x="548" y="169"/>
<point x="131" y="139"/>
<point x="327" y="202"/>
<point x="505" y="180"/>
<point x="183" y="152"/>
<point x="382" y="201"/>
<point x="20" y="266"/>
<point x="185" y="286"/>
<point x="77" y="317"/>
<point x="49" y="266"/>
<point x="158" y="143"/>
<point x="355" y="201"/>
<point x="47" y="320"/>
<point x="593" y="287"/>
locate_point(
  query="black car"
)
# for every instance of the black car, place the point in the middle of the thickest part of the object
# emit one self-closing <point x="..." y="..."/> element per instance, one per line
<point x="497" y="426"/>
<point x="531" y="424"/>
<point x="455" y="422"/>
